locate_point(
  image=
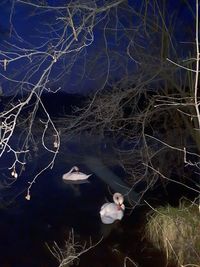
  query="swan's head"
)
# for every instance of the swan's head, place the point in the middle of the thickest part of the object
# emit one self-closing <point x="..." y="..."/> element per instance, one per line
<point x="119" y="200"/>
<point x="75" y="168"/>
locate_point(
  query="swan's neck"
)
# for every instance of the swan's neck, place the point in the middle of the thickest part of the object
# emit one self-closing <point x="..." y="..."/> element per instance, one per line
<point x="72" y="169"/>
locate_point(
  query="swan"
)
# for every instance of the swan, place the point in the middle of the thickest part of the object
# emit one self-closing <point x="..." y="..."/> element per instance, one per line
<point x="75" y="175"/>
<point x="111" y="212"/>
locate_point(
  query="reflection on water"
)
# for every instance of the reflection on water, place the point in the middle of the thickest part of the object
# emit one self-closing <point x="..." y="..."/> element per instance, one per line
<point x="56" y="207"/>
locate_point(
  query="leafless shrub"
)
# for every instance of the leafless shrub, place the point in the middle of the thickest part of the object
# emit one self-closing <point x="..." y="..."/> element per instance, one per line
<point x="142" y="113"/>
<point x="70" y="254"/>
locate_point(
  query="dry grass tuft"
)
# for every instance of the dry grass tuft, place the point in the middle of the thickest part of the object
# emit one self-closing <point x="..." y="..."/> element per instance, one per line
<point x="175" y="231"/>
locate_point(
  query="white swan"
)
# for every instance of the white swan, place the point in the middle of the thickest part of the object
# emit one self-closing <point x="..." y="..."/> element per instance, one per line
<point x="75" y="175"/>
<point x="111" y="212"/>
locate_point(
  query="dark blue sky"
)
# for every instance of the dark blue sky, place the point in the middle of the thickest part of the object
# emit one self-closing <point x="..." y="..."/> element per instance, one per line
<point x="112" y="42"/>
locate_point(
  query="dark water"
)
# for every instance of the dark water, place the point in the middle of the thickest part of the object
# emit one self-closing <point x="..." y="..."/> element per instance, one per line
<point x="55" y="208"/>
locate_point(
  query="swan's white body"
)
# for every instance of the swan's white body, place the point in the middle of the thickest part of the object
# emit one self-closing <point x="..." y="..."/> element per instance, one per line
<point x="75" y="175"/>
<point x="111" y="212"/>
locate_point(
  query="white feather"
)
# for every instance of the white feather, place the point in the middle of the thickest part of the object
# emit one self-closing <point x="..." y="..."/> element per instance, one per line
<point x="111" y="212"/>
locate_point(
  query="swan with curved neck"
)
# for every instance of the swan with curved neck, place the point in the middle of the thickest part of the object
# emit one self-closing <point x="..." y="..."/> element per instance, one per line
<point x="75" y="175"/>
<point x="112" y="211"/>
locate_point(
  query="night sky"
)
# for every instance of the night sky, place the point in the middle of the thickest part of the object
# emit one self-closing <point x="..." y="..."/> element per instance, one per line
<point x="109" y="48"/>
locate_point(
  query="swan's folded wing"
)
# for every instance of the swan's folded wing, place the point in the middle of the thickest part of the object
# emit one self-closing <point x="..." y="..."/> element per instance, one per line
<point x="109" y="213"/>
<point x="75" y="176"/>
